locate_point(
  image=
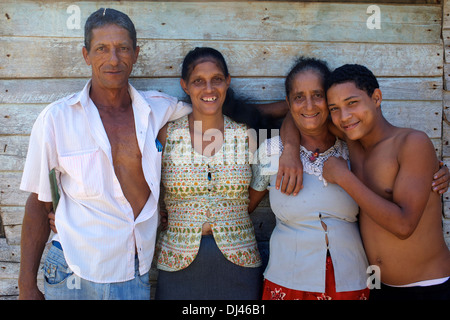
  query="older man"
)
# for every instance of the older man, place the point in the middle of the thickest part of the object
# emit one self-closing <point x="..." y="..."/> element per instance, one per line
<point x="101" y="142"/>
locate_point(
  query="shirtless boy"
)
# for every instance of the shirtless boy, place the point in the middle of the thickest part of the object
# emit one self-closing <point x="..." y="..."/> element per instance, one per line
<point x="392" y="169"/>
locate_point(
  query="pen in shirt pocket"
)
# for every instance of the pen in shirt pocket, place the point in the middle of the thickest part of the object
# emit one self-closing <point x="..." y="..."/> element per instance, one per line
<point x="159" y="146"/>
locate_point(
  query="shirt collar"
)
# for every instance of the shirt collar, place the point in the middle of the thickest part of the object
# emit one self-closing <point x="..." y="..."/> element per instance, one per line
<point x="81" y="97"/>
<point x="141" y="110"/>
<point x="137" y="99"/>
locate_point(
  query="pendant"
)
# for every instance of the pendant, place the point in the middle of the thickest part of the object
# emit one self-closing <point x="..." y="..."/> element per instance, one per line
<point x="314" y="156"/>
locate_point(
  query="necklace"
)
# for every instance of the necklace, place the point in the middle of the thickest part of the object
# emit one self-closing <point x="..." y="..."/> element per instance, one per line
<point x="314" y="155"/>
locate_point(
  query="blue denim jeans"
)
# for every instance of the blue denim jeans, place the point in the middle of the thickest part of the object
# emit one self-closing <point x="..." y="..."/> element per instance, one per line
<point x="62" y="284"/>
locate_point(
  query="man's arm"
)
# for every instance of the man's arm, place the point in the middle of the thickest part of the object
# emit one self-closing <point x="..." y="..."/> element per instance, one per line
<point x="255" y="197"/>
<point x="411" y="189"/>
<point x="35" y="233"/>
<point x="274" y="110"/>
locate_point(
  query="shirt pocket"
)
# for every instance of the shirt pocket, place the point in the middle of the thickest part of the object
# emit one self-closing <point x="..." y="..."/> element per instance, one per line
<point x="83" y="176"/>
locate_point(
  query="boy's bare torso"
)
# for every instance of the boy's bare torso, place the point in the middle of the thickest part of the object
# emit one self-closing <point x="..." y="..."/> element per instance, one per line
<point x="423" y="255"/>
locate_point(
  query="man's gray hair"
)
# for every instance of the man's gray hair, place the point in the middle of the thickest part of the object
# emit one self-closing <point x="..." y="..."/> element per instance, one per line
<point x="106" y="16"/>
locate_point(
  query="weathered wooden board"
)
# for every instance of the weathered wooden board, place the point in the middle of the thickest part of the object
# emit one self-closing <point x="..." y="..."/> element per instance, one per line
<point x="280" y="21"/>
<point x="9" y="287"/>
<point x="36" y="91"/>
<point x="446" y="14"/>
<point x="11" y="215"/>
<point x="18" y="119"/>
<point x="9" y="252"/>
<point x="10" y="194"/>
<point x="61" y="58"/>
<point x="446" y="227"/>
<point x="13" y="234"/>
<point x="13" y="152"/>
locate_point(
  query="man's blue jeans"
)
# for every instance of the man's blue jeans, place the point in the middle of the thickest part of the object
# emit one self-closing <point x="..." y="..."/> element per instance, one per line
<point x="62" y="284"/>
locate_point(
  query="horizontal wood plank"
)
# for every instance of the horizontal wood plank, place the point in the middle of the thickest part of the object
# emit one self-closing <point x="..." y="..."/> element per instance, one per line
<point x="38" y="91"/>
<point x="10" y="194"/>
<point x="18" y="119"/>
<point x="13" y="234"/>
<point x="249" y="20"/>
<point x="9" y="252"/>
<point x="11" y="215"/>
<point x="446" y="14"/>
<point x="446" y="227"/>
<point x="62" y="58"/>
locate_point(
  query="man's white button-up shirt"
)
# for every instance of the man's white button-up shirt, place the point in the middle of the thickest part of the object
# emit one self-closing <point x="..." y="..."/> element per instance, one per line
<point x="95" y="222"/>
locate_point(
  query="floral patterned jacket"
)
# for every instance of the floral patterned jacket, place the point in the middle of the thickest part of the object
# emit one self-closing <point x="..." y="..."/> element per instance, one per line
<point x="200" y="189"/>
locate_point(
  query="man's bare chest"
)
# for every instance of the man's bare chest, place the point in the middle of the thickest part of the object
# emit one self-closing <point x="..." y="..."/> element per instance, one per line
<point x="121" y="134"/>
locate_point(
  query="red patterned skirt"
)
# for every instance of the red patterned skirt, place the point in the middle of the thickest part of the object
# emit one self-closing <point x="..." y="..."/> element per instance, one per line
<point x="273" y="291"/>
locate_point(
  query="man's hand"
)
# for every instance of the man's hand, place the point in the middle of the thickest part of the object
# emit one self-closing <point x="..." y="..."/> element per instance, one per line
<point x="164" y="222"/>
<point x="51" y="220"/>
<point x="31" y="294"/>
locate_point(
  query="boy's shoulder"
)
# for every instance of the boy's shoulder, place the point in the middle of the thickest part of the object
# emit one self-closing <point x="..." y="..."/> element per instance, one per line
<point x="413" y="143"/>
<point x="410" y="135"/>
<point x="400" y="140"/>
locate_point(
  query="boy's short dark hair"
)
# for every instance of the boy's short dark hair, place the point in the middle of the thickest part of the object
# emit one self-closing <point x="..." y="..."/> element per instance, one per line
<point x="362" y="77"/>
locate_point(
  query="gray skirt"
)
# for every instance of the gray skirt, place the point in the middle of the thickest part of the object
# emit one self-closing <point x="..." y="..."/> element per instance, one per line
<point x="210" y="277"/>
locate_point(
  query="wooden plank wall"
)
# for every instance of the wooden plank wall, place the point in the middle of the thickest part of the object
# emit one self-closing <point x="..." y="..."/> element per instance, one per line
<point x="41" y="61"/>
<point x="446" y="111"/>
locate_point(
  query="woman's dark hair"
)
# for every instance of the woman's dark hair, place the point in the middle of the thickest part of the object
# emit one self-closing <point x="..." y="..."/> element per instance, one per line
<point x="106" y="16"/>
<point x="306" y="64"/>
<point x="199" y="55"/>
<point x="362" y="77"/>
<point x="237" y="109"/>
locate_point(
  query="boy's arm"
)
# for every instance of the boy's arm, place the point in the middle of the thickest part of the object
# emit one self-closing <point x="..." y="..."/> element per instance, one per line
<point x="411" y="189"/>
<point x="290" y="171"/>
<point x="35" y="233"/>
